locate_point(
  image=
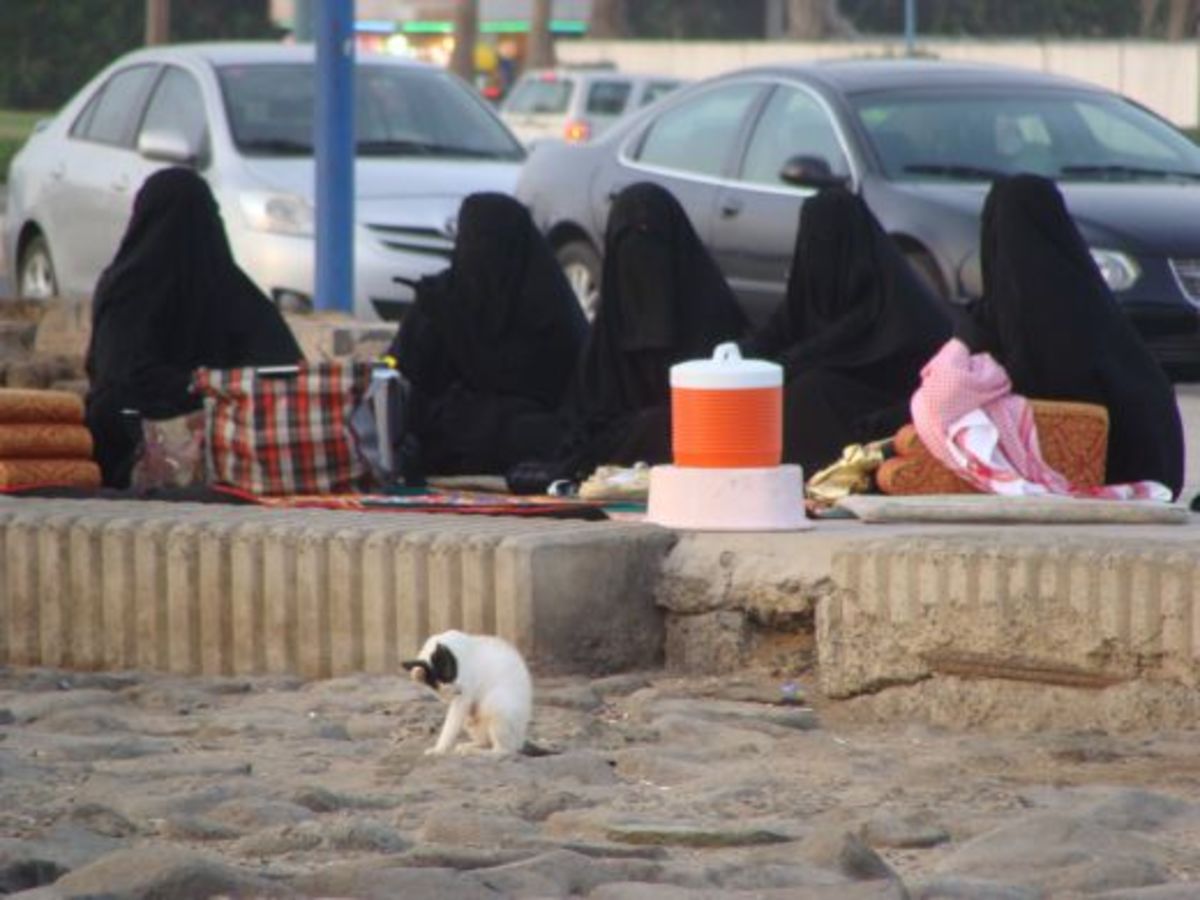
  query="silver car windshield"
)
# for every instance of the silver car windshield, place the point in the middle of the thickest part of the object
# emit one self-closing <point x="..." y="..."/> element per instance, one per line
<point x="977" y="136"/>
<point x="399" y="112"/>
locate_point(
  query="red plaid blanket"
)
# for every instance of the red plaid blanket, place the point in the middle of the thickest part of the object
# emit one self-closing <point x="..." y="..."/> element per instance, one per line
<point x="283" y="430"/>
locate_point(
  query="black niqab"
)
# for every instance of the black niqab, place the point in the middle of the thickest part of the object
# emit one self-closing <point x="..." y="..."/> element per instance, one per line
<point x="662" y="301"/>
<point x="171" y="301"/>
<point x="1047" y="316"/>
<point x="490" y="344"/>
<point x="503" y="318"/>
<point x="854" y="304"/>
<point x="852" y="334"/>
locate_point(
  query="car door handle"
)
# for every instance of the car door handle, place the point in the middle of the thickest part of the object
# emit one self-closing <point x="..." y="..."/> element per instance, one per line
<point x="120" y="185"/>
<point x="613" y="192"/>
<point x="730" y="207"/>
<point x="58" y="171"/>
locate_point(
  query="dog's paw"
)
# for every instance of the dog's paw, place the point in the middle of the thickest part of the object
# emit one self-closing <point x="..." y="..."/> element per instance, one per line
<point x="434" y="751"/>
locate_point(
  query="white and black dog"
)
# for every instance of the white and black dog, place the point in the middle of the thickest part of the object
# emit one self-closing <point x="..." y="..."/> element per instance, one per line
<point x="486" y="683"/>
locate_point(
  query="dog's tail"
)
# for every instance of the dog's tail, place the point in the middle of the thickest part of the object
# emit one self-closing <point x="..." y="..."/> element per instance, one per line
<point x="532" y="749"/>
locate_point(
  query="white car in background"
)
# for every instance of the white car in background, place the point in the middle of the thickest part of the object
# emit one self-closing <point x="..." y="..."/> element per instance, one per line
<point x="242" y="115"/>
<point x="577" y="105"/>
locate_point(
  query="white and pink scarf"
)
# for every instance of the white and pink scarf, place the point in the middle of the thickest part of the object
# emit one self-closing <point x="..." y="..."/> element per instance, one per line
<point x="968" y="417"/>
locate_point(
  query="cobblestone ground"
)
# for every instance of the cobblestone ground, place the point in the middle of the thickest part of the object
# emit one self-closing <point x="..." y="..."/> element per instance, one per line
<point x="144" y="786"/>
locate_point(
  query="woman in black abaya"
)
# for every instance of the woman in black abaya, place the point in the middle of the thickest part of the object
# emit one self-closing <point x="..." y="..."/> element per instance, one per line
<point x="1047" y="316"/>
<point x="852" y="334"/>
<point x="662" y="301"/>
<point x="171" y="301"/>
<point x="489" y="345"/>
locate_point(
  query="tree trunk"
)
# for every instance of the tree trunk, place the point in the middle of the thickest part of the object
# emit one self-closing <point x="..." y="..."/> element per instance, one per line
<point x="466" y="32"/>
<point x="814" y="20"/>
<point x="158" y="22"/>
<point x="608" y="20"/>
<point x="1148" y="10"/>
<point x="1181" y="19"/>
<point x="540" y="54"/>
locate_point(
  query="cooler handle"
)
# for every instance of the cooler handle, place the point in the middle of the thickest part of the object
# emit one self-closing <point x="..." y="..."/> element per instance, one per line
<point x="727" y="352"/>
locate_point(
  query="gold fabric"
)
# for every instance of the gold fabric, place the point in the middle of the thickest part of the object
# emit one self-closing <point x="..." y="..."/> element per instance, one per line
<point x="852" y="474"/>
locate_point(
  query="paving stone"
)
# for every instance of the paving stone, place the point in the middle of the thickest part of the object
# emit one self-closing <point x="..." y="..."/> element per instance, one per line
<point x="691" y="835"/>
<point x="161" y="872"/>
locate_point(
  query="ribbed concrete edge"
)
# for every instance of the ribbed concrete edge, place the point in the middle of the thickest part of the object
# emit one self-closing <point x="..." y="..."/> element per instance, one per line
<point x="1082" y="609"/>
<point x="202" y="589"/>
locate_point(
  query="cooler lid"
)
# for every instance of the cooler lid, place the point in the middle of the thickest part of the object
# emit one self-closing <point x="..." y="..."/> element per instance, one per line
<point x="726" y="371"/>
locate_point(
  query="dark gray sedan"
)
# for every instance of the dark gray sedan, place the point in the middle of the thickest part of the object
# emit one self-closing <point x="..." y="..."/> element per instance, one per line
<point x="921" y="142"/>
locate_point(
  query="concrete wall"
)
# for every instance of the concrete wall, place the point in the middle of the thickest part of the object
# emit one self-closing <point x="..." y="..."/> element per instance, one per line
<point x="1163" y="76"/>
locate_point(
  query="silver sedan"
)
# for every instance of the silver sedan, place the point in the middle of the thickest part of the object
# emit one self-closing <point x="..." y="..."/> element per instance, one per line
<point x="242" y="114"/>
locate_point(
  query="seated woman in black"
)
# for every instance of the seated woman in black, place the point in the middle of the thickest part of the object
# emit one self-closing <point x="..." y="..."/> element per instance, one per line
<point x="1047" y="316"/>
<point x="852" y="334"/>
<point x="662" y="301"/>
<point x="171" y="301"/>
<point x="489" y="345"/>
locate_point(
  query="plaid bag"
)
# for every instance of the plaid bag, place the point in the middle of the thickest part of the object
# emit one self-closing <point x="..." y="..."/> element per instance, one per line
<point x="284" y="429"/>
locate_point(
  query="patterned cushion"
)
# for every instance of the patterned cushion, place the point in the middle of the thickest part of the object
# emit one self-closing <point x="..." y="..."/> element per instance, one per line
<point x="22" y="405"/>
<point x="25" y="473"/>
<point x="1073" y="438"/>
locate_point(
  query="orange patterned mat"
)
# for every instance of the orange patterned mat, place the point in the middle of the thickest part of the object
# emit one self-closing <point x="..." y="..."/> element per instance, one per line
<point x="39" y="441"/>
<point x="45" y="407"/>
<point x="23" y="473"/>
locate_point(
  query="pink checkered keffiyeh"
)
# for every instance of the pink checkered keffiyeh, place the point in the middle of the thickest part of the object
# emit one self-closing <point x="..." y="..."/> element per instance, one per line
<point x="283" y="432"/>
<point x="968" y="417"/>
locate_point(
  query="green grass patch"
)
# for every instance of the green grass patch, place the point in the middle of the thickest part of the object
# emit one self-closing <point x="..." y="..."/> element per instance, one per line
<point x="14" y="128"/>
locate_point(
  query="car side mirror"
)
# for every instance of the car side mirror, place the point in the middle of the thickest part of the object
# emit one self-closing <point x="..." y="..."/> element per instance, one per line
<point x="167" y="145"/>
<point x="810" y="172"/>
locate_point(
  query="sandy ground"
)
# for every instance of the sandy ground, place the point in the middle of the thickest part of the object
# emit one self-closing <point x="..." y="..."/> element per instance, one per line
<point x="662" y="788"/>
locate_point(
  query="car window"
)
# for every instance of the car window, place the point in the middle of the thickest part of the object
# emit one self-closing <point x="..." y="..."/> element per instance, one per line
<point x="1121" y="136"/>
<point x="656" y="89"/>
<point x="111" y="116"/>
<point x="178" y="105"/>
<point x="697" y="135"/>
<point x="792" y="124"/>
<point x="976" y="135"/>
<point x="607" y="98"/>
<point x="543" y="94"/>
<point x="399" y="112"/>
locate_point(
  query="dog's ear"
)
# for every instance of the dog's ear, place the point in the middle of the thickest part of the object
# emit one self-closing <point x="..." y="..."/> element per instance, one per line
<point x="418" y="670"/>
<point x="443" y="666"/>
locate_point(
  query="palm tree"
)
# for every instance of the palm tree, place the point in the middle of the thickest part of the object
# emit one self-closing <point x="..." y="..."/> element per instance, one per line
<point x="607" y="20"/>
<point x="812" y="20"/>
<point x="466" y="32"/>
<point x="541" y="45"/>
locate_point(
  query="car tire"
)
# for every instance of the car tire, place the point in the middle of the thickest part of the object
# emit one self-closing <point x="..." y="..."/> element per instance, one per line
<point x="35" y="274"/>
<point x="927" y="270"/>
<point x="581" y="264"/>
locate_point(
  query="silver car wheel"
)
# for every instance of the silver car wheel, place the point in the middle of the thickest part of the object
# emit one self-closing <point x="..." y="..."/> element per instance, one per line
<point x="37" y="281"/>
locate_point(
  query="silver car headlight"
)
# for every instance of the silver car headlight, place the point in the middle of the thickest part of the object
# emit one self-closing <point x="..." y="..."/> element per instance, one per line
<point x="278" y="213"/>
<point x="1119" y="270"/>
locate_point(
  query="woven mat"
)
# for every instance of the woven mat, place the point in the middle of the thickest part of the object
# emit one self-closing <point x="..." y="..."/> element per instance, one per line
<point x="432" y="501"/>
<point x="990" y="508"/>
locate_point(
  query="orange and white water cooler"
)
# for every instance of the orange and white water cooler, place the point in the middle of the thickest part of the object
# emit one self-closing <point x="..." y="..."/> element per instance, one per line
<point x="727" y="444"/>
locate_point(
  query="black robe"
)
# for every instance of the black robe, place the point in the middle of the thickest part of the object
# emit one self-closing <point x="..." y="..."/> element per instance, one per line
<point x="489" y="345"/>
<point x="852" y="334"/>
<point x="1047" y="316"/>
<point x="662" y="301"/>
<point x="171" y="301"/>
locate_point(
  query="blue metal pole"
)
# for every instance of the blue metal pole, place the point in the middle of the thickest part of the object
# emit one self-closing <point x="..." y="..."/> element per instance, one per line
<point x="910" y="27"/>
<point x="334" y="145"/>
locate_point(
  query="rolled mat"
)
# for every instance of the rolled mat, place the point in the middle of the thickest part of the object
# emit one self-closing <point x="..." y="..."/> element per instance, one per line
<point x="45" y="442"/>
<point x="23" y="405"/>
<point x="20" y="473"/>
